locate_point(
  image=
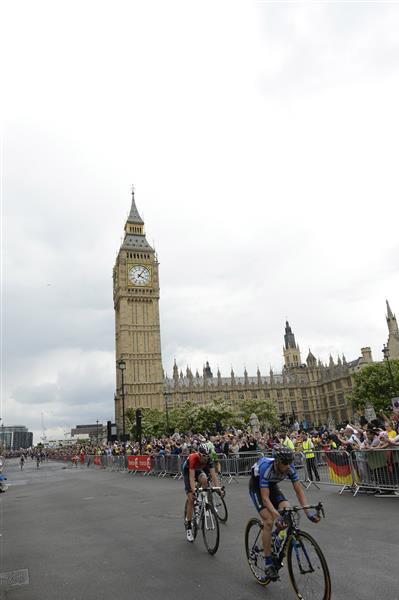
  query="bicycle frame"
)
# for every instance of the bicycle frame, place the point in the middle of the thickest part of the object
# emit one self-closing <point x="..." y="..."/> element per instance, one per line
<point x="202" y="498"/>
<point x="291" y="518"/>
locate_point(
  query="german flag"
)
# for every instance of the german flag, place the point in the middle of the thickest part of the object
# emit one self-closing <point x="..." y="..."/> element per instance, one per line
<point x="339" y="469"/>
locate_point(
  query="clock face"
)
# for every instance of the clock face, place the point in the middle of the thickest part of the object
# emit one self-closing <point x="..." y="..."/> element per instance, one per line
<point x="139" y="275"/>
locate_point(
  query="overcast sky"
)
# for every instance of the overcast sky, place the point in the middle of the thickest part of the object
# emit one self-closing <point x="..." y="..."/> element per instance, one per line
<point x="262" y="140"/>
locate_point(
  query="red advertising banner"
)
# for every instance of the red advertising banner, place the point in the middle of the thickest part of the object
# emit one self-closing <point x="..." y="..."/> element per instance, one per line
<point x="139" y="463"/>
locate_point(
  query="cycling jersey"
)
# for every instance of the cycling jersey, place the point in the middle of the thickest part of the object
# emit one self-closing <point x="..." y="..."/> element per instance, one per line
<point x="268" y="474"/>
<point x="192" y="462"/>
<point x="265" y="475"/>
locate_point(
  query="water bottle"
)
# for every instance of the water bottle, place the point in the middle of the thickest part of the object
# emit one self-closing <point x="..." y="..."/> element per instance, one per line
<point x="278" y="539"/>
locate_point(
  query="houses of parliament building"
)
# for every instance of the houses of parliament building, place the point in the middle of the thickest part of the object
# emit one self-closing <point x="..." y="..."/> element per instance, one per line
<point x="309" y="390"/>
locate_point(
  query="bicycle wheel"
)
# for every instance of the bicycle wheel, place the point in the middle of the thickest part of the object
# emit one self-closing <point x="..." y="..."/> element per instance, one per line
<point x="308" y="568"/>
<point x="210" y="529"/>
<point x="220" y="507"/>
<point x="254" y="550"/>
<point x="194" y="524"/>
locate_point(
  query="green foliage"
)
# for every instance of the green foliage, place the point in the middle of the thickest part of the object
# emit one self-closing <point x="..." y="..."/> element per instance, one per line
<point x="153" y="422"/>
<point x="374" y="384"/>
<point x="264" y="410"/>
<point x="198" y="418"/>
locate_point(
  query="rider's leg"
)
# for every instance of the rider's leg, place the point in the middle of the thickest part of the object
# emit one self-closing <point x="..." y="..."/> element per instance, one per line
<point x="267" y="519"/>
<point x="189" y="511"/>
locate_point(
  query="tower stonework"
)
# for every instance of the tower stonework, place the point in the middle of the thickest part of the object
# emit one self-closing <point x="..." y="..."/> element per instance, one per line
<point x="292" y="355"/>
<point x="137" y="325"/>
<point x="393" y="337"/>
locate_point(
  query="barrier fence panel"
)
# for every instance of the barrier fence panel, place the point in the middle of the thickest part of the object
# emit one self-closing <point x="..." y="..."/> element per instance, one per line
<point x="328" y="468"/>
<point x="242" y="464"/>
<point x="376" y="470"/>
<point x="172" y="465"/>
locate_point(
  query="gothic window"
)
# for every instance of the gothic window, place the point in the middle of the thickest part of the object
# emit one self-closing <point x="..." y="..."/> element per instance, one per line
<point x="304" y="393"/>
<point x="338" y="384"/>
<point x="279" y="394"/>
<point x="241" y="396"/>
<point x="267" y="394"/>
<point x="305" y="405"/>
<point x="293" y="406"/>
<point x="292" y="394"/>
<point x="340" y="398"/>
<point x="254" y="395"/>
<point x="281" y="407"/>
<point x="227" y="395"/>
<point x="332" y="401"/>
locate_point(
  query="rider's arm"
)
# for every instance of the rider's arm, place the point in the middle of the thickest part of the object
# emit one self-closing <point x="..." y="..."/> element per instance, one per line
<point x="302" y="498"/>
<point x="212" y="472"/>
<point x="264" y="492"/>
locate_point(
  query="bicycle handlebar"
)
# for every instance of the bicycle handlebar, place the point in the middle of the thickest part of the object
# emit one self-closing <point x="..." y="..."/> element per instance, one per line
<point x="294" y="509"/>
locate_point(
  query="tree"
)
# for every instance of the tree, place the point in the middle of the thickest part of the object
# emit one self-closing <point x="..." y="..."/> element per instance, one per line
<point x="218" y="411"/>
<point x="153" y="422"/>
<point x="264" y="410"/>
<point x="373" y="385"/>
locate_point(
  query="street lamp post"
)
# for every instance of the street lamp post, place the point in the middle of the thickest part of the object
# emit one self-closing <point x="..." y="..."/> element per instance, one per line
<point x="97" y="432"/>
<point x="385" y="352"/>
<point x="122" y="367"/>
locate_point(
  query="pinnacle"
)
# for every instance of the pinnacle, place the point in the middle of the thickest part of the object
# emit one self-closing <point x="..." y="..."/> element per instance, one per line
<point x="134" y="216"/>
<point x="390" y="314"/>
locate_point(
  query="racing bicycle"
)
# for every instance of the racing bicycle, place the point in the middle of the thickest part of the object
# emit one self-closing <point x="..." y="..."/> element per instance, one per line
<point x="205" y="518"/>
<point x="307" y="566"/>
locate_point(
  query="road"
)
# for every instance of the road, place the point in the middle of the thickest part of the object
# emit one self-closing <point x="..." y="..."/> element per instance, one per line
<point x="89" y="534"/>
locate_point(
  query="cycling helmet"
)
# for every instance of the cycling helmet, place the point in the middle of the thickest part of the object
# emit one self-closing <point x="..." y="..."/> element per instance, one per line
<point x="283" y="453"/>
<point x="203" y="450"/>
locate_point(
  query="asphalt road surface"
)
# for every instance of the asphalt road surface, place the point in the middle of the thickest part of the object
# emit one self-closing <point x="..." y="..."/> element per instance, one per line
<point x="89" y="534"/>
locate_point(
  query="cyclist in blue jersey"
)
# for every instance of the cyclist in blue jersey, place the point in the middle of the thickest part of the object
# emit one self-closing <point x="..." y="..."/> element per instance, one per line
<point x="269" y="499"/>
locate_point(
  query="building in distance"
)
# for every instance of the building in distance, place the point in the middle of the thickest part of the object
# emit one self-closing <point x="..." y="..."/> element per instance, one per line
<point x="15" y="437"/>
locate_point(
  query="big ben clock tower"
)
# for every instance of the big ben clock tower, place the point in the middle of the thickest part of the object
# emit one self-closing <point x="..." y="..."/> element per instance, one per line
<point x="137" y="327"/>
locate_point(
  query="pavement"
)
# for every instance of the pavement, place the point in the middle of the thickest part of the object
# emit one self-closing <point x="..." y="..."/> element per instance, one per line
<point x="92" y="534"/>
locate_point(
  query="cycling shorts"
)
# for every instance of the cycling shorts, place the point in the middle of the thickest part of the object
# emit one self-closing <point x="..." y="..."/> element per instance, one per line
<point x="275" y="494"/>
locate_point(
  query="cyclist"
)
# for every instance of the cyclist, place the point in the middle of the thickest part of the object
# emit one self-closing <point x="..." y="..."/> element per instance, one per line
<point x="198" y="467"/>
<point x="214" y="456"/>
<point x="269" y="499"/>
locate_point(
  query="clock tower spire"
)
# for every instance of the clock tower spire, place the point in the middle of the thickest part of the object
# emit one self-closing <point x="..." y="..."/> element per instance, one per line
<point x="137" y="325"/>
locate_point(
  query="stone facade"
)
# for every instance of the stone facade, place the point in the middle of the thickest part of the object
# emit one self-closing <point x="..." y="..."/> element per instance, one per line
<point x="313" y="392"/>
<point x="310" y="391"/>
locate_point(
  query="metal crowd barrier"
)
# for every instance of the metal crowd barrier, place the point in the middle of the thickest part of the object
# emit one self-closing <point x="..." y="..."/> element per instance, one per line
<point x="327" y="468"/>
<point x="377" y="470"/>
<point x="361" y="470"/>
